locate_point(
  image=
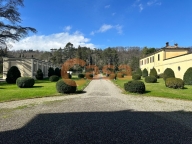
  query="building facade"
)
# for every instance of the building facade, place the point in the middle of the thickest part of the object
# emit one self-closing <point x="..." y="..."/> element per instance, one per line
<point x="27" y="66"/>
<point x="174" y="57"/>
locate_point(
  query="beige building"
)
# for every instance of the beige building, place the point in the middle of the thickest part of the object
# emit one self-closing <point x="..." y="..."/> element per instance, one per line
<point x="27" y="66"/>
<point x="174" y="57"/>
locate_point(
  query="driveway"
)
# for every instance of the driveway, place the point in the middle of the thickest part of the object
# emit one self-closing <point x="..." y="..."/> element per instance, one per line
<point x="100" y="115"/>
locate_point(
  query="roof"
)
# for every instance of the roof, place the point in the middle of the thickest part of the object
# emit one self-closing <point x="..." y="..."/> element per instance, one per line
<point x="165" y="48"/>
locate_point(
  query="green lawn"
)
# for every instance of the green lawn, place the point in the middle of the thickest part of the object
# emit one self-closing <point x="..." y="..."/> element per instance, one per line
<point x="160" y="90"/>
<point x="41" y="88"/>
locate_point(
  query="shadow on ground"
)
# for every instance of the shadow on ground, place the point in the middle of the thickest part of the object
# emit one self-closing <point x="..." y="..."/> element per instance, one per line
<point x="100" y="127"/>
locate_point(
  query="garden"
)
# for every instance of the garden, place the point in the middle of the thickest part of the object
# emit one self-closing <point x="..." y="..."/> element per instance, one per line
<point x="18" y="88"/>
<point x="164" y="85"/>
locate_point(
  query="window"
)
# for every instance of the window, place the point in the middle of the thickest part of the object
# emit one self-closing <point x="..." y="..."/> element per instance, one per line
<point x="179" y="68"/>
<point x="158" y="70"/>
<point x="153" y="58"/>
<point x="147" y="60"/>
<point x="158" y="57"/>
<point x="150" y="60"/>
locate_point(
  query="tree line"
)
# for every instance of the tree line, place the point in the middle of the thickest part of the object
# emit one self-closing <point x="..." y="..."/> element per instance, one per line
<point x="99" y="57"/>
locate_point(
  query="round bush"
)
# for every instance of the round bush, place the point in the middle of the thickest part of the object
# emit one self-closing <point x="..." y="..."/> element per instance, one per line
<point x="145" y="73"/>
<point x="133" y="72"/>
<point x="25" y="82"/>
<point x="53" y="78"/>
<point x="150" y="79"/>
<point x="168" y="73"/>
<point x="66" y="86"/>
<point x="81" y="75"/>
<point x="39" y="74"/>
<point x="175" y="83"/>
<point x="135" y="86"/>
<point x="136" y="77"/>
<point x="12" y="75"/>
<point x="153" y="72"/>
<point x="138" y="71"/>
<point x="188" y="76"/>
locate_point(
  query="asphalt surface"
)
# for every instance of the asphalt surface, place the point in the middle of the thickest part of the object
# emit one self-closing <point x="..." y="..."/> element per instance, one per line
<point x="97" y="116"/>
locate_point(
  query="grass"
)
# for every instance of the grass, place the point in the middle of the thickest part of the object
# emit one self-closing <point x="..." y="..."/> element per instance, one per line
<point x="41" y="88"/>
<point x="159" y="89"/>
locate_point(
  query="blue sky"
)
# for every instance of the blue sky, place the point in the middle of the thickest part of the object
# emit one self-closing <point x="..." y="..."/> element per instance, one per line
<point x="106" y="23"/>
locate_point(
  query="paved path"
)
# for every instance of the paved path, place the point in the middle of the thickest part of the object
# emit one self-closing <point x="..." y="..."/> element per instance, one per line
<point x="101" y="115"/>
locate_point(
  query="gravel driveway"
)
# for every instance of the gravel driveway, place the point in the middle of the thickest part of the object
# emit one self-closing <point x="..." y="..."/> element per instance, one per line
<point x="100" y="115"/>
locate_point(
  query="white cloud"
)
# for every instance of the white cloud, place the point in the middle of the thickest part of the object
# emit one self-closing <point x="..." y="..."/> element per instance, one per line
<point x="107" y="6"/>
<point x="47" y="42"/>
<point x="119" y="29"/>
<point x="67" y="28"/>
<point x="106" y="27"/>
<point x="92" y="33"/>
<point x="137" y="4"/>
<point x="153" y="2"/>
<point x="140" y="7"/>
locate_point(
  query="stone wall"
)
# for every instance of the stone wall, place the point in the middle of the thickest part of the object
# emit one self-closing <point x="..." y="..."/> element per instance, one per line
<point x="27" y="66"/>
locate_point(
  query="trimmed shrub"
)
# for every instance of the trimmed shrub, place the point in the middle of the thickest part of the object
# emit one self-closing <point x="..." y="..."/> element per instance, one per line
<point x="134" y="72"/>
<point x="153" y="72"/>
<point x="136" y="77"/>
<point x="58" y="72"/>
<point x="112" y="76"/>
<point x="139" y="72"/>
<point x="168" y="73"/>
<point x="81" y="75"/>
<point x="160" y="75"/>
<point x="51" y="71"/>
<point x="53" y="78"/>
<point x="175" y="83"/>
<point x="188" y="76"/>
<point x="39" y="74"/>
<point x="150" y="79"/>
<point x="135" y="86"/>
<point x="25" y="82"/>
<point x="66" y="86"/>
<point x="12" y="75"/>
<point x="145" y="73"/>
<point x="120" y="75"/>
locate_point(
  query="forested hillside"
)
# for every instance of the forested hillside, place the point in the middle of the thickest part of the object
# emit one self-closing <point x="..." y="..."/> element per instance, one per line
<point x="100" y="57"/>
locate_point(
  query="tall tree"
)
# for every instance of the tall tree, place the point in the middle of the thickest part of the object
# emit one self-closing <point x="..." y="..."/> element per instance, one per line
<point x="90" y="60"/>
<point x="115" y="61"/>
<point x="11" y="30"/>
<point x="79" y="52"/>
<point x="69" y="51"/>
<point x="145" y="51"/>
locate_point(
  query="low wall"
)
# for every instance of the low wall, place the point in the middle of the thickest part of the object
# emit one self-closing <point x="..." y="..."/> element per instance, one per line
<point x="27" y="66"/>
